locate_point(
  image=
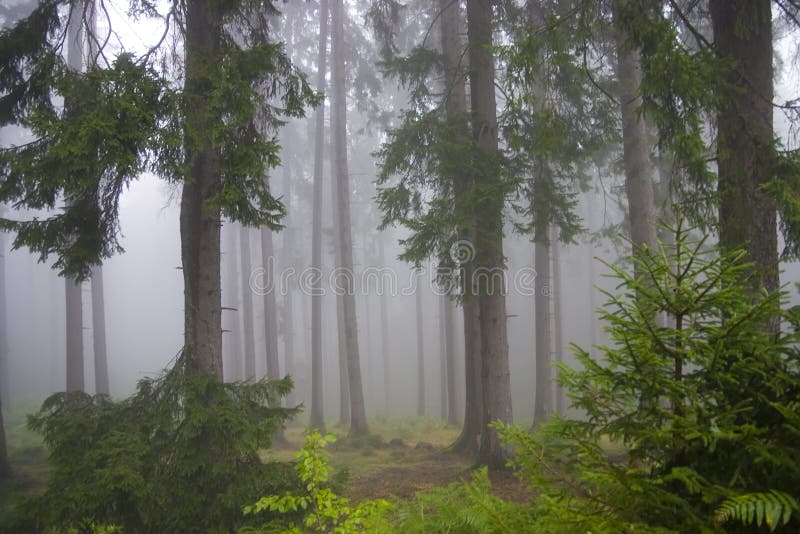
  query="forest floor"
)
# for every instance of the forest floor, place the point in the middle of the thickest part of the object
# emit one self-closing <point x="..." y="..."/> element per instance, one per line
<point x="400" y="458"/>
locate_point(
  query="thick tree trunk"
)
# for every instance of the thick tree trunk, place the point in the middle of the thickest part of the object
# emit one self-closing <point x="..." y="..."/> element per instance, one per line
<point x="248" y="317"/>
<point x="72" y="287"/>
<point x="231" y="319"/>
<point x="489" y="238"/>
<point x="420" y="355"/>
<point x="385" y="349"/>
<point x="341" y="339"/>
<point x="636" y="148"/>
<point x="317" y="412"/>
<point x="288" y="301"/>
<point x="200" y="221"/>
<point x="358" y="418"/>
<point x="99" y="333"/>
<point x="456" y="107"/>
<point x="746" y="158"/>
<point x="270" y="306"/>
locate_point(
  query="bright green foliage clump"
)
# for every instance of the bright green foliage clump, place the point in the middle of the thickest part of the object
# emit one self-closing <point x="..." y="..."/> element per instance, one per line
<point x="701" y="397"/>
<point x="464" y="507"/>
<point x="180" y="455"/>
<point x="323" y="510"/>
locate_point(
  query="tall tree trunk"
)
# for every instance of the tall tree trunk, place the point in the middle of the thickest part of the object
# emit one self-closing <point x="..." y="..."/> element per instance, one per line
<point x="450" y="360"/>
<point x="270" y="307"/>
<point x="442" y="361"/>
<point x="456" y="108"/>
<point x="420" y="354"/>
<point x="558" y="316"/>
<point x="385" y="345"/>
<point x="543" y="405"/>
<point x="288" y="301"/>
<point x="5" y="378"/>
<point x="317" y="419"/>
<point x="636" y="148"/>
<point x="341" y="339"/>
<point x="745" y="152"/>
<point x="358" y="418"/>
<point x="489" y="239"/>
<point x="199" y="219"/>
<point x="72" y="287"/>
<point x="5" y="468"/>
<point x="232" y="320"/>
<point x="248" y="317"/>
<point x="99" y="333"/>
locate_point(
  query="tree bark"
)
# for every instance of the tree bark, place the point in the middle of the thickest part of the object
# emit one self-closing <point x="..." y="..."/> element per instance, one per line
<point x="636" y="148"/>
<point x="489" y="238"/>
<point x="385" y="349"/>
<point x="317" y="417"/>
<point x="72" y="287"/>
<point x="232" y="321"/>
<point x="543" y="405"/>
<point x="745" y="152"/>
<point x="442" y="362"/>
<point x="450" y="361"/>
<point x="5" y="378"/>
<point x="420" y="354"/>
<point x="270" y="306"/>
<point x="558" y="316"/>
<point x="456" y="107"/>
<point x="288" y="301"/>
<point x="99" y="333"/>
<point x="358" y="418"/>
<point x="200" y="221"/>
<point x="248" y="317"/>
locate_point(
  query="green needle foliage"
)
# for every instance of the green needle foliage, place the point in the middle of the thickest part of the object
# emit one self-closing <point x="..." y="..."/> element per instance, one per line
<point x="689" y="415"/>
<point x="95" y="132"/>
<point x="180" y="455"/>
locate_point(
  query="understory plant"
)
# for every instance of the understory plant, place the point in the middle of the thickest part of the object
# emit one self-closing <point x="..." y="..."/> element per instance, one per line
<point x="321" y="509"/>
<point x="697" y="391"/>
<point x="180" y="455"/>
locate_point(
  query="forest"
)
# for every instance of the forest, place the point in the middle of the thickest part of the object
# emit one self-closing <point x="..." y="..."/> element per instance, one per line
<point x="284" y="266"/>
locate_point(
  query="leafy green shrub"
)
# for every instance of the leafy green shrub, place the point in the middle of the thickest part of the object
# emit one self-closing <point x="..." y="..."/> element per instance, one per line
<point x="704" y="404"/>
<point x="463" y="507"/>
<point x="180" y="455"/>
<point x="323" y="509"/>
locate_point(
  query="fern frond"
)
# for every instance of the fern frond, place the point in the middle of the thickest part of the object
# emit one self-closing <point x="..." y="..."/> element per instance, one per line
<point x="773" y="508"/>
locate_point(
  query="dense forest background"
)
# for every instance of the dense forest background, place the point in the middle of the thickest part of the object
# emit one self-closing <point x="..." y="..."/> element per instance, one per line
<point x="412" y="209"/>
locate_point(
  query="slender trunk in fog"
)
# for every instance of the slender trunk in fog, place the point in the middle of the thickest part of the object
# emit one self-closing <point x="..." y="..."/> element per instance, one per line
<point x="317" y="418"/>
<point x="4" y="376"/>
<point x="248" y="318"/>
<point x="450" y="359"/>
<point x="636" y="148"/>
<point x="288" y="301"/>
<point x="270" y="307"/>
<point x="232" y="322"/>
<point x="99" y="333"/>
<point x="358" y="418"/>
<point x="344" y="385"/>
<point x="543" y="405"/>
<point x="420" y="354"/>
<point x="385" y="350"/>
<point x="489" y="238"/>
<point x="558" y="333"/>
<point x="72" y="287"/>
<point x="442" y="362"/>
